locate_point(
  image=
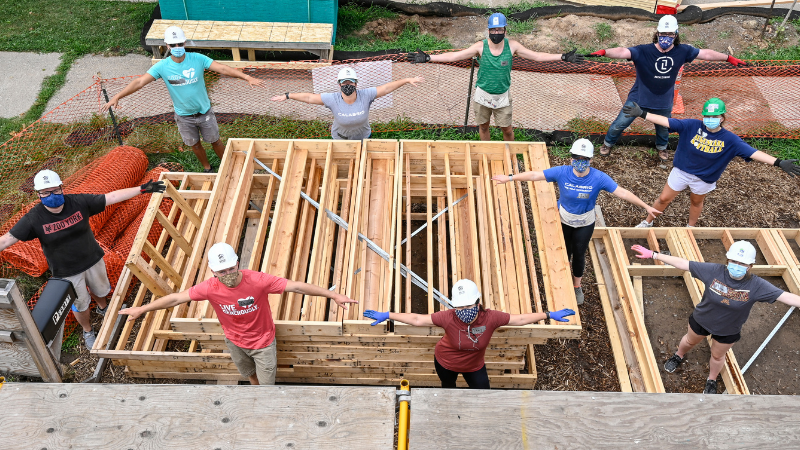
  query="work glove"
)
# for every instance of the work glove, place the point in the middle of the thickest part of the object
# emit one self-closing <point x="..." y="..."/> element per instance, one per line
<point x="418" y="57"/>
<point x="597" y="54"/>
<point x="736" y="62"/>
<point x="633" y="110"/>
<point x="572" y="57"/>
<point x="642" y="252"/>
<point x="153" y="186"/>
<point x="560" y="314"/>
<point x="378" y="316"/>
<point x="788" y="166"/>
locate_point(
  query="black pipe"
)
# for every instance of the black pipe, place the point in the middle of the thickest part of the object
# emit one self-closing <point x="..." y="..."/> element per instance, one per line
<point x="469" y="94"/>
<point x="113" y="119"/>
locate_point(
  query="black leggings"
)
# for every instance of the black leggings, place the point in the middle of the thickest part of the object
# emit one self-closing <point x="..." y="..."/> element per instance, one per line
<point x="475" y="380"/>
<point x="577" y="241"/>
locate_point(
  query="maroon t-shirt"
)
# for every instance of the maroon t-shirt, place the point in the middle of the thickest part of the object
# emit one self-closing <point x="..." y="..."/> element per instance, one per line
<point x="460" y="352"/>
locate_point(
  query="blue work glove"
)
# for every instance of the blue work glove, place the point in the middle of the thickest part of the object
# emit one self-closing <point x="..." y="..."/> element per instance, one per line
<point x="560" y="314"/>
<point x="379" y="316"/>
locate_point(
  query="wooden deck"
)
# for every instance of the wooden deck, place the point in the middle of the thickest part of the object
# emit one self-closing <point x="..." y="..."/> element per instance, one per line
<point x="121" y="416"/>
<point x="458" y="419"/>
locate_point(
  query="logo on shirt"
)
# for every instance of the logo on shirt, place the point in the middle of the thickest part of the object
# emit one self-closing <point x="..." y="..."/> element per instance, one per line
<point x="664" y="64"/>
<point x="705" y="145"/>
<point x="185" y="78"/>
<point x="471" y="336"/>
<point x="360" y="113"/>
<point x="63" y="224"/>
<point x="189" y="73"/>
<point x="728" y="293"/>
<point x="583" y="195"/>
<point x="246" y="303"/>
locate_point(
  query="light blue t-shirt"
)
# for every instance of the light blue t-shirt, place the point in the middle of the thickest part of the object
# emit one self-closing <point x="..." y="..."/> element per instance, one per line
<point x="350" y="121"/>
<point x="185" y="82"/>
<point x="578" y="195"/>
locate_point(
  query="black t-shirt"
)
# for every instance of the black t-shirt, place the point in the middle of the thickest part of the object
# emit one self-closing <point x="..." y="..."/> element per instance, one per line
<point x="67" y="239"/>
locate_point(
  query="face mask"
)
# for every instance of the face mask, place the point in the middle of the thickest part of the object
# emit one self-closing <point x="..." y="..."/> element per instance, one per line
<point x="348" y="89"/>
<point x="580" y="166"/>
<point x="497" y="38"/>
<point x="229" y="279"/>
<point x="737" y="272"/>
<point x="467" y="315"/>
<point x="665" y="42"/>
<point x="53" y="200"/>
<point x="712" y="123"/>
<point x="177" y="52"/>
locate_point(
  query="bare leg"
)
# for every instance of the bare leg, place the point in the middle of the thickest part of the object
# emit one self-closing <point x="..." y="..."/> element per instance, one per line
<point x="253" y="380"/>
<point x="688" y="341"/>
<point x="483" y="130"/>
<point x="695" y="208"/>
<point x="576" y="281"/>
<point x="84" y="319"/>
<point x="508" y="133"/>
<point x="666" y="197"/>
<point x="200" y="152"/>
<point x="102" y="302"/>
<point x="717" y="361"/>
<point x="219" y="148"/>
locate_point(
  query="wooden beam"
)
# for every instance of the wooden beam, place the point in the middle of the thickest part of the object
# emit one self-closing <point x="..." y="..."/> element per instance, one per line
<point x="429" y="230"/>
<point x="473" y="221"/>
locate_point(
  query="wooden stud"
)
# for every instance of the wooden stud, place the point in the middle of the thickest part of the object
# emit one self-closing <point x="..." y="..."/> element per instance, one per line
<point x="473" y="221"/>
<point x="293" y="301"/>
<point x="408" y="232"/>
<point x="429" y="230"/>
<point x="496" y="264"/>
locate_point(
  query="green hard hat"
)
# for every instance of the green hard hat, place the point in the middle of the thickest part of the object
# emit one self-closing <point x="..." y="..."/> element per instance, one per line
<point x="714" y="107"/>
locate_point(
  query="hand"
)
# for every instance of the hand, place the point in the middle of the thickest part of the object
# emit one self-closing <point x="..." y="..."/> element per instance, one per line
<point x="132" y="313"/>
<point x="633" y="111"/>
<point x="255" y="82"/>
<point x="279" y="98"/>
<point x="153" y="186"/>
<point x="560" y="314"/>
<point x="342" y="301"/>
<point x="378" y="316"/>
<point x="418" y="57"/>
<point x="501" y="179"/>
<point x="415" y="80"/>
<point x="112" y="103"/>
<point x="597" y="54"/>
<point x="572" y="57"/>
<point x="642" y="252"/>
<point x="736" y="62"/>
<point x="789" y="166"/>
<point x="652" y="211"/>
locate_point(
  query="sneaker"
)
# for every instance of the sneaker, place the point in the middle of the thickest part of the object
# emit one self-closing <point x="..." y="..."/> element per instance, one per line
<point x="605" y="150"/>
<point x="579" y="295"/>
<point x="673" y="363"/>
<point x="711" y="387"/>
<point x="645" y="224"/>
<point x="211" y="169"/>
<point x="89" y="338"/>
<point x="101" y="311"/>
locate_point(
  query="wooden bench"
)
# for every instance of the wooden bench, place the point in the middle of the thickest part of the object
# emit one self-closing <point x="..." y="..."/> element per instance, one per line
<point x="251" y="36"/>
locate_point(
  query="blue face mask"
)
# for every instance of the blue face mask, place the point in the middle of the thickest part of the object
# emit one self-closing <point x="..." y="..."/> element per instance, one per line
<point x="53" y="200"/>
<point x="736" y="271"/>
<point x="580" y="166"/>
<point x="177" y="52"/>
<point x="467" y="315"/>
<point x="712" y="123"/>
<point x="665" y="42"/>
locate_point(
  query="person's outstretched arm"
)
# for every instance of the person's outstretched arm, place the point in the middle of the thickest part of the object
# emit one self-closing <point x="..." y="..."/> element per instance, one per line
<point x="525" y="319"/>
<point x="167" y="301"/>
<point x="790" y="299"/>
<point x="310" y="289"/>
<point x="132" y="87"/>
<point x="636" y="111"/>
<point x="389" y="87"/>
<point x="305" y="97"/>
<point x="787" y="165"/>
<point x="125" y="194"/>
<point x="533" y="175"/>
<point x="7" y="240"/>
<point x="417" y="320"/>
<point x="520" y="50"/>
<point x="231" y="72"/>
<point x="674" y="261"/>
<point x="713" y="55"/>
<point x="614" y="53"/>
<point x="631" y="198"/>
<point x="421" y="57"/>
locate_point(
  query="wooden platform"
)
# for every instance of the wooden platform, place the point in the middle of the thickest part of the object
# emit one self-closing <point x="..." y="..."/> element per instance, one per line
<point x="456" y="419"/>
<point x="647" y="5"/>
<point x="39" y="415"/>
<point x="251" y="36"/>
<point x="371" y="187"/>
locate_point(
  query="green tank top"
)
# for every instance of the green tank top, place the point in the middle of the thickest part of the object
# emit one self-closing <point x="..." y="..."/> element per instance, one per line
<point x="494" y="73"/>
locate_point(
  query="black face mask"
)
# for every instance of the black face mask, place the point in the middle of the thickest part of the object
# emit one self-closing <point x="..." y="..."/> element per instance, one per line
<point x="348" y="89"/>
<point x="497" y="38"/>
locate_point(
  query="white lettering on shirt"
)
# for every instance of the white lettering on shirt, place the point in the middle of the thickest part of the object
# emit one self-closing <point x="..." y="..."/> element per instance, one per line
<point x="231" y="310"/>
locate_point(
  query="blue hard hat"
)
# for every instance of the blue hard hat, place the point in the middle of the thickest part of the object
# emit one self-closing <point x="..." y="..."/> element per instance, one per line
<point x="497" y="20"/>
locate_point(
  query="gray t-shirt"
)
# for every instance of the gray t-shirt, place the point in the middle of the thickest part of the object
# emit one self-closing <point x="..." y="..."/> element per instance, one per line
<point x="350" y="121"/>
<point x="726" y="302"/>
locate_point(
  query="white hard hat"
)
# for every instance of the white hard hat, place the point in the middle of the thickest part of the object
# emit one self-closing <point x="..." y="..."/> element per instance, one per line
<point x="174" y="35"/>
<point x="583" y="147"/>
<point x="46" y="179"/>
<point x="221" y="256"/>
<point x="348" y="73"/>
<point x="743" y="252"/>
<point x="465" y="293"/>
<point x="668" y="24"/>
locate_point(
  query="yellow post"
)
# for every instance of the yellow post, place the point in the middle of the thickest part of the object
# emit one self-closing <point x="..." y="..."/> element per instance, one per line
<point x="402" y="425"/>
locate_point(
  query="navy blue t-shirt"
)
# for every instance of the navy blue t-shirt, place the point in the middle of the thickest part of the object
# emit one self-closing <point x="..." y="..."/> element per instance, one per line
<point x="656" y="73"/>
<point x="579" y="194"/>
<point x="705" y="154"/>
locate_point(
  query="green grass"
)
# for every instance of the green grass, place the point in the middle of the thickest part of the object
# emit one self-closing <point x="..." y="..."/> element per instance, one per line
<point x="353" y="17"/>
<point x="603" y="31"/>
<point x="409" y="40"/>
<point x="517" y="27"/>
<point x="780" y="148"/>
<point x="524" y="5"/>
<point x="772" y="51"/>
<point x="71" y="342"/>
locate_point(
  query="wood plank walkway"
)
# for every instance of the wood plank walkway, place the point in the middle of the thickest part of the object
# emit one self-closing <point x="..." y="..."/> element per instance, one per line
<point x="39" y="415"/>
<point x="456" y="419"/>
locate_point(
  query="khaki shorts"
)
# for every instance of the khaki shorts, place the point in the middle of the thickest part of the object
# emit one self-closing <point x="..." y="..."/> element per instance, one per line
<point x="192" y="127"/>
<point x="96" y="279"/>
<point x="502" y="116"/>
<point x="262" y="362"/>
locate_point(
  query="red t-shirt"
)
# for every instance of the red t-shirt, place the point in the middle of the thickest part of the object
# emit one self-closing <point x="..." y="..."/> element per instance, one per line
<point x="243" y="311"/>
<point x="456" y="351"/>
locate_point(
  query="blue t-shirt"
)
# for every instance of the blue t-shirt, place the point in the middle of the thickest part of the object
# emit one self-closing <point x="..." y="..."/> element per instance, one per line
<point x="579" y="194"/>
<point x="185" y="82"/>
<point x="705" y="154"/>
<point x="656" y="73"/>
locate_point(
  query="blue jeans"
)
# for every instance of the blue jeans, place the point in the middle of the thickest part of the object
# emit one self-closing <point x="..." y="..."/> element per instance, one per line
<point x="621" y="123"/>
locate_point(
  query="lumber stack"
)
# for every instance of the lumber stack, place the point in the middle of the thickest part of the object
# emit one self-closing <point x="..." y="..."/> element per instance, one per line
<point x="273" y="218"/>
